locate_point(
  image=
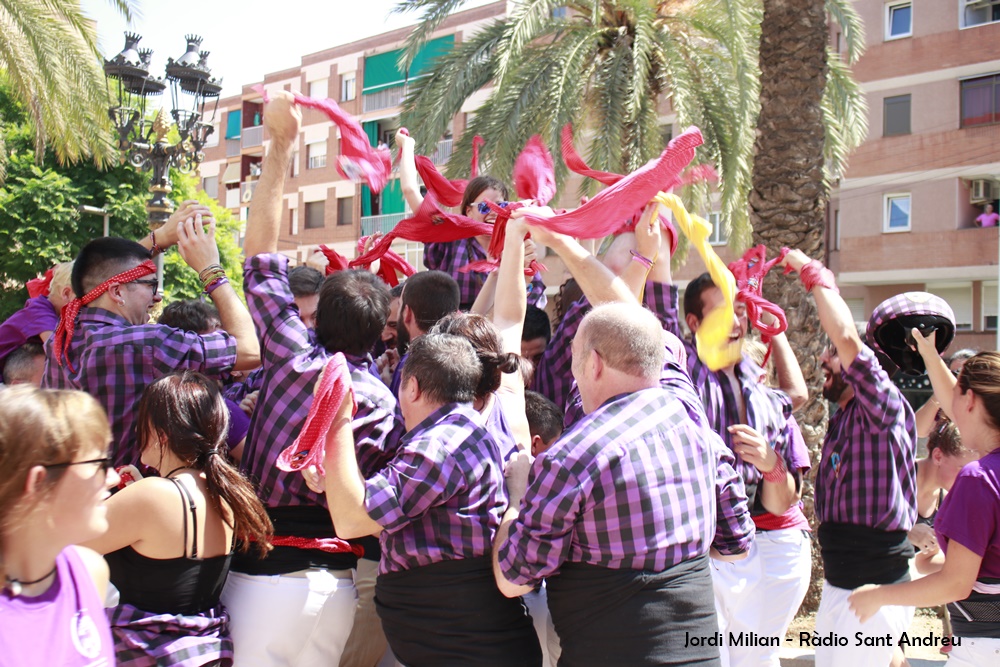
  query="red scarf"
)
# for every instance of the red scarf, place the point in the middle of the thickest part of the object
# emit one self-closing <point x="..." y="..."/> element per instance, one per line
<point x="63" y="335"/>
<point x="749" y="272"/>
<point x="40" y="286"/>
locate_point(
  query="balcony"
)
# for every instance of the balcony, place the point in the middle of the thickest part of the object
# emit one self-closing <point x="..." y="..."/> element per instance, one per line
<point x="253" y="136"/>
<point x="232" y="147"/>
<point x="246" y="191"/>
<point x="443" y="151"/>
<point x="380" y="223"/>
<point x="383" y="99"/>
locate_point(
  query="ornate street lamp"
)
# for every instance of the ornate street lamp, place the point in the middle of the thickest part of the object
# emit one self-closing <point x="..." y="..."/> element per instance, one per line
<point x="143" y="141"/>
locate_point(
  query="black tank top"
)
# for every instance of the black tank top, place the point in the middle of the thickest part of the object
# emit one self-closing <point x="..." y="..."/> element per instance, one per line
<point x="186" y="585"/>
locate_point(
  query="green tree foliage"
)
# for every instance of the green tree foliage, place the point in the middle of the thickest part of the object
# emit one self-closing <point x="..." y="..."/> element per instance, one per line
<point x="50" y="62"/>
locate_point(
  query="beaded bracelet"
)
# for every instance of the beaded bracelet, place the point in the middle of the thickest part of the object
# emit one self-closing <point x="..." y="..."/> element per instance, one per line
<point x="215" y="284"/>
<point x="777" y="473"/>
<point x="208" y="271"/>
<point x="156" y="250"/>
<point x="645" y="261"/>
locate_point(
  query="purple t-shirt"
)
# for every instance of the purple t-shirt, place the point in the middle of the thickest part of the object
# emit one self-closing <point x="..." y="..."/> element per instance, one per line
<point x="37" y="316"/>
<point x="970" y="513"/>
<point x="988" y="219"/>
<point x="239" y="423"/>
<point x="64" y="626"/>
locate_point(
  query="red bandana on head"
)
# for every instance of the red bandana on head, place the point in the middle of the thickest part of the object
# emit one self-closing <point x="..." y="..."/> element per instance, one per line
<point x="40" y="286"/>
<point x="67" y="321"/>
<point x="749" y="272"/>
<point x="358" y="160"/>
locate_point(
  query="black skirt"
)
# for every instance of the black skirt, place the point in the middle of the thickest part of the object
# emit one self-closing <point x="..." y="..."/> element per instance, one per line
<point x="452" y="613"/>
<point x="627" y="618"/>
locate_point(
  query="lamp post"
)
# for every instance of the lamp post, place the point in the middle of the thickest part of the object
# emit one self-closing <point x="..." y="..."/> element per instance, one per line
<point x="143" y="141"/>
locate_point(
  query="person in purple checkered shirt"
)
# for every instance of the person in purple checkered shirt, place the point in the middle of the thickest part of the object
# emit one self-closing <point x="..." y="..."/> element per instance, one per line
<point x="436" y="507"/>
<point x="452" y="256"/>
<point x="626" y="506"/>
<point x="297" y="605"/>
<point x="115" y="353"/>
<point x="866" y="483"/>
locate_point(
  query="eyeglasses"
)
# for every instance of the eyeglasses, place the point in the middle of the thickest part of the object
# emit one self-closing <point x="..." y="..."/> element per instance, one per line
<point x="104" y="464"/>
<point x="484" y="207"/>
<point x="152" y="282"/>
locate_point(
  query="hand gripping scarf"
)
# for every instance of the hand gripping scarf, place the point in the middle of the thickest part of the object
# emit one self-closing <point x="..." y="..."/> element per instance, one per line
<point x="391" y="266"/>
<point x="749" y="272"/>
<point x="446" y="191"/>
<point x="534" y="179"/>
<point x="358" y="160"/>
<point x="337" y="262"/>
<point x="40" y="286"/>
<point x="67" y="321"/>
<point x="714" y="346"/>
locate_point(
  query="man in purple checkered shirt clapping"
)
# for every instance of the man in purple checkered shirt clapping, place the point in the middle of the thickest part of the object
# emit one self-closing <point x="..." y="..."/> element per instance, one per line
<point x="620" y="514"/>
<point x="436" y="506"/>
<point x="865" y="485"/>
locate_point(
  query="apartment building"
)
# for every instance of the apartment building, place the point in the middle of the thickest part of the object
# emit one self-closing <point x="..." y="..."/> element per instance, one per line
<point x="904" y="216"/>
<point x="364" y="79"/>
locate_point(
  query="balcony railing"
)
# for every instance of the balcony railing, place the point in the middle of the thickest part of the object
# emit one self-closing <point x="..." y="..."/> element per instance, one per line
<point x="380" y="223"/>
<point x="383" y="99"/>
<point x="253" y="136"/>
<point x="443" y="151"/>
<point x="232" y="147"/>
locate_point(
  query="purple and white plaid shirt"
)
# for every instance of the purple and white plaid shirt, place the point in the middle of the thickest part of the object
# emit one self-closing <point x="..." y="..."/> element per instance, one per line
<point x="867" y="474"/>
<point x="442" y="496"/>
<point x="292" y="364"/>
<point x="637" y="484"/>
<point x="115" y="361"/>
<point x="452" y="256"/>
<point x="554" y="376"/>
<point x="767" y="410"/>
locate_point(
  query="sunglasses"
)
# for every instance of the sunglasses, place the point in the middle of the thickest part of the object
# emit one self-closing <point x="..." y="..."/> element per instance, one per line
<point x="104" y="464"/>
<point x="484" y="207"/>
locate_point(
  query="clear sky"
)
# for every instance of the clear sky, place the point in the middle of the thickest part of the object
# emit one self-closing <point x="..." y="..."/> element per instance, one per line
<point x="247" y="38"/>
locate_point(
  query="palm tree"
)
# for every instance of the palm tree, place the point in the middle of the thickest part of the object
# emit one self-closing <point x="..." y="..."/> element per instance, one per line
<point x="604" y="65"/>
<point x="50" y="62"/>
<point x="811" y="115"/>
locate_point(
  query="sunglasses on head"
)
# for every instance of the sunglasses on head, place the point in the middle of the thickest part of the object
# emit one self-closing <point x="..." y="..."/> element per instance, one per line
<point x="484" y="207"/>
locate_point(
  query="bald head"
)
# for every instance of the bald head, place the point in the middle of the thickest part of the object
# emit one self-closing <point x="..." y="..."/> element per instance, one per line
<point x="627" y="337"/>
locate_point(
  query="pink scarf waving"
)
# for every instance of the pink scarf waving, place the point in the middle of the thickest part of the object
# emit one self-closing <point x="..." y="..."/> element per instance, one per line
<point x="391" y="265"/>
<point x="749" y="272"/>
<point x="358" y="160"/>
<point x="448" y="192"/>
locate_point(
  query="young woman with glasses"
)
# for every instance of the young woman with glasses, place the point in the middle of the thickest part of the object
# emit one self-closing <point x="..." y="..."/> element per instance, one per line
<point x="54" y="480"/>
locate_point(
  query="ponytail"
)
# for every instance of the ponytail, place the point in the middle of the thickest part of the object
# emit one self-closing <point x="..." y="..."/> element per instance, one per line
<point x="248" y="518"/>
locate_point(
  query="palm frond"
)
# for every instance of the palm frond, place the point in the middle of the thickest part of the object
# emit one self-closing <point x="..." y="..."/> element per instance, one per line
<point x="852" y="28"/>
<point x="434" y="14"/>
<point x="526" y="23"/>
<point x="845" y="113"/>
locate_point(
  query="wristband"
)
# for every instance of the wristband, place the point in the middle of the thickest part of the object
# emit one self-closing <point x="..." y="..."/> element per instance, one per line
<point x="218" y="282"/>
<point x="777" y="473"/>
<point x="814" y="274"/>
<point x="156" y="250"/>
<point x="208" y="271"/>
<point x="645" y="261"/>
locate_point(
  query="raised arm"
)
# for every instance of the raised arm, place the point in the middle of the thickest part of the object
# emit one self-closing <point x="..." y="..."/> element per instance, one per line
<point x="345" y="485"/>
<point x="408" y="171"/>
<point x="648" y="236"/>
<point x="940" y="376"/>
<point x="834" y="315"/>
<point x="282" y="119"/>
<point x="786" y="367"/>
<point x="166" y="234"/>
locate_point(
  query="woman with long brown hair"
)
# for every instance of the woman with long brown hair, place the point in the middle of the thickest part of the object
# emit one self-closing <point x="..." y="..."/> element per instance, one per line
<point x="170" y="537"/>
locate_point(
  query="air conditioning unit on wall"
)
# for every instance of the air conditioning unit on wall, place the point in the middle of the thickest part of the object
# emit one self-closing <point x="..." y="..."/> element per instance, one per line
<point x="982" y="190"/>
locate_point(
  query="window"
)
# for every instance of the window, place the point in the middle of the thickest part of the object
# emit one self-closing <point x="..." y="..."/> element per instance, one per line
<point x="560" y="12"/>
<point x="315" y="214"/>
<point x="347" y="87"/>
<point x="316" y="154"/>
<point x="896" y="215"/>
<point x="959" y="297"/>
<point x="980" y="12"/>
<point x="211" y="186"/>
<point x="989" y="306"/>
<point x="345" y="211"/>
<point x="317" y="89"/>
<point x="293" y="221"/>
<point x="896" y="116"/>
<point x="719" y="236"/>
<point x="836" y="229"/>
<point x="666" y="134"/>
<point x="898" y="20"/>
<point x="212" y="140"/>
<point x="294" y="168"/>
<point x="981" y="101"/>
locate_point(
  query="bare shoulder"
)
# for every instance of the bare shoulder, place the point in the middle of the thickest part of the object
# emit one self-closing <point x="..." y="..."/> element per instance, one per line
<point x="96" y="566"/>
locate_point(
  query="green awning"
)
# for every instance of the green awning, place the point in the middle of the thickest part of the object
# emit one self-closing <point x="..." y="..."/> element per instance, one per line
<point x="382" y="70"/>
<point x="234" y="123"/>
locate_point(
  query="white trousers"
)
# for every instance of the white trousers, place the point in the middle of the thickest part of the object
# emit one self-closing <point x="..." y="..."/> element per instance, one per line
<point x="367" y="643"/>
<point x="835" y="617"/>
<point x="300" y="619"/>
<point x="761" y="593"/>
<point x="537" y="603"/>
<point x="975" y="652"/>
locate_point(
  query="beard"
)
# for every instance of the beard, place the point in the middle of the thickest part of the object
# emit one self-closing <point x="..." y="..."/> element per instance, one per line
<point x="836" y="389"/>
<point x="402" y="339"/>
